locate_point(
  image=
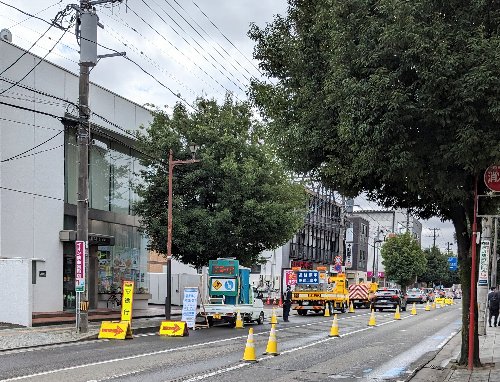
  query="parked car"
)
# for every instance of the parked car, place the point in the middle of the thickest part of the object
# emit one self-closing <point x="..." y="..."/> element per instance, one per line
<point x="417" y="296"/>
<point x="389" y="298"/>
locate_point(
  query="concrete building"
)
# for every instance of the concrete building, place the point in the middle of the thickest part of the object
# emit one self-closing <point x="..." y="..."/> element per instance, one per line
<point x="356" y="244"/>
<point x="38" y="184"/>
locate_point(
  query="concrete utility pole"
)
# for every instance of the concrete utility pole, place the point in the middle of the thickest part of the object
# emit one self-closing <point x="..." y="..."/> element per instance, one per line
<point x="448" y="245"/>
<point x="434" y="235"/>
<point x="87" y="22"/>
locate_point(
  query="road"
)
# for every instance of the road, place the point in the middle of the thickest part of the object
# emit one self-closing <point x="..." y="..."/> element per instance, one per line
<point x="388" y="352"/>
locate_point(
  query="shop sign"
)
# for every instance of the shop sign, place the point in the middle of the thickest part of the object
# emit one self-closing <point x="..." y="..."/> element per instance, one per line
<point x="80" y="266"/>
<point x="302" y="264"/>
<point x="484" y="261"/>
<point x="290" y="277"/>
<point x="127" y="300"/>
<point x="189" y="304"/>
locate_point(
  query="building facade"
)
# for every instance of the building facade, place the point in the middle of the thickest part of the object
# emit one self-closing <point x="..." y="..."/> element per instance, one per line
<point x="38" y="183"/>
<point x="356" y="244"/>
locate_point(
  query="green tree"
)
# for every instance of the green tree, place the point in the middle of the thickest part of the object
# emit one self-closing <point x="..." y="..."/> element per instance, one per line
<point x="403" y="259"/>
<point x="436" y="270"/>
<point x="398" y="99"/>
<point x="236" y="202"/>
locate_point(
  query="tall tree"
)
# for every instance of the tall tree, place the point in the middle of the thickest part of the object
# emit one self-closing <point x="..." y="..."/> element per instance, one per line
<point x="398" y="99"/>
<point x="436" y="270"/>
<point x="403" y="259"/>
<point x="236" y="202"/>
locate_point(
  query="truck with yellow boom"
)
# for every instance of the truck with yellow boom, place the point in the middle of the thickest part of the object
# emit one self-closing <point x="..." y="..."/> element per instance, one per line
<point x="332" y="295"/>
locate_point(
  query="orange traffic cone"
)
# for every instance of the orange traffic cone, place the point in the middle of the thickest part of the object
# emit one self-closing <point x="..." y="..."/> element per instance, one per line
<point x="249" y="354"/>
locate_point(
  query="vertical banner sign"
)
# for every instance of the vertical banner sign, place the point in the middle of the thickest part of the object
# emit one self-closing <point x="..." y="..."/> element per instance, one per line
<point x="290" y="277"/>
<point x="484" y="262"/>
<point x="127" y="299"/>
<point x="80" y="267"/>
<point x="189" y="306"/>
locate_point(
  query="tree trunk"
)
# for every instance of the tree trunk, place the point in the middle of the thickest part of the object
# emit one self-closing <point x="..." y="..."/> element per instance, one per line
<point x="464" y="235"/>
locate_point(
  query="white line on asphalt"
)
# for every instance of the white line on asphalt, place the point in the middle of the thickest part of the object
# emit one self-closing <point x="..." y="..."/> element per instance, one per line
<point x="49" y="346"/>
<point x="173" y="350"/>
<point x="446" y="340"/>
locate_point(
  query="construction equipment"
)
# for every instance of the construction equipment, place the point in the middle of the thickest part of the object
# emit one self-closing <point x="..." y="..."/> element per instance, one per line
<point x="332" y="295"/>
<point x="361" y="294"/>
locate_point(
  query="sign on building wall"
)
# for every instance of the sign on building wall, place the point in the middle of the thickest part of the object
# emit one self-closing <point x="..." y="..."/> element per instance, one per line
<point x="484" y="262"/>
<point x="80" y="266"/>
<point x="348" y="256"/>
<point x="290" y="277"/>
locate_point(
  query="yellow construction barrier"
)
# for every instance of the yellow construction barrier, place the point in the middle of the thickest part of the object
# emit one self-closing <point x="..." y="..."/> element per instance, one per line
<point x="334" y="331"/>
<point x="397" y="314"/>
<point x="249" y="354"/>
<point x="174" y="329"/>
<point x="272" y="343"/>
<point x="372" y="321"/>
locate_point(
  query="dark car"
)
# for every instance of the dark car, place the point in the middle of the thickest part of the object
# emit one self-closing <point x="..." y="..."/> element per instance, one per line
<point x="389" y="298"/>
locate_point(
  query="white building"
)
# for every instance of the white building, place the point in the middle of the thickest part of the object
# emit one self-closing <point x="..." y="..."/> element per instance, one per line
<point x="38" y="183"/>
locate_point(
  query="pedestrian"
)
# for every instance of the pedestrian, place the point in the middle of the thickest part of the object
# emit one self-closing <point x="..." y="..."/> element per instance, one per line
<point x="493" y="305"/>
<point x="287" y="303"/>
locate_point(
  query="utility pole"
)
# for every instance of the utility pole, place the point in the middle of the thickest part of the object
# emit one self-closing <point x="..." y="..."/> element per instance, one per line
<point x="407" y="220"/>
<point x="494" y="257"/>
<point x="448" y="245"/>
<point x="87" y="22"/>
<point x="434" y="235"/>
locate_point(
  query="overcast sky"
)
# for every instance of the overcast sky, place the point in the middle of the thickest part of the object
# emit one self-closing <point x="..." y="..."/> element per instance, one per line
<point x="191" y="48"/>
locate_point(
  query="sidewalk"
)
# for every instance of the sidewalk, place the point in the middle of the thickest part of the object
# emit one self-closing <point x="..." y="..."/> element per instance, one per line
<point x="58" y="332"/>
<point x="443" y="366"/>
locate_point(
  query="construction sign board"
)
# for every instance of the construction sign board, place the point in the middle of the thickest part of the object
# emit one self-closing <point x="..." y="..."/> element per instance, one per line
<point x="127" y="300"/>
<point x="174" y="329"/>
<point x="115" y="330"/>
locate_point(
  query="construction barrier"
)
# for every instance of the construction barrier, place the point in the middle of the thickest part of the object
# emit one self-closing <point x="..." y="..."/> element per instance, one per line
<point x="174" y="329"/>
<point x="120" y="330"/>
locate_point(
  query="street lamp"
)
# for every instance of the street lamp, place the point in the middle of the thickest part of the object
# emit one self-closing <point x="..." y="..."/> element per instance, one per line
<point x="375" y="241"/>
<point x="193" y="147"/>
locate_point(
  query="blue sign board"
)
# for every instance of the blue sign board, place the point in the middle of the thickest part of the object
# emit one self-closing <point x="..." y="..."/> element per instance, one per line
<point x="307" y="277"/>
<point x="452" y="263"/>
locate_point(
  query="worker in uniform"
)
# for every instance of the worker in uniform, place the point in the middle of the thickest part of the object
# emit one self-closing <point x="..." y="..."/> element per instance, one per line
<point x="287" y="303"/>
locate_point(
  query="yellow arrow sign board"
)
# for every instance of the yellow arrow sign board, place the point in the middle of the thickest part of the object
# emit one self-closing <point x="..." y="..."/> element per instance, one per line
<point x="115" y="330"/>
<point x="127" y="299"/>
<point x="173" y="329"/>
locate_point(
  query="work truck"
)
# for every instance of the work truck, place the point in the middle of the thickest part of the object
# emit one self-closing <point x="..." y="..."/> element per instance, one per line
<point x="229" y="292"/>
<point x="361" y="294"/>
<point x="311" y="295"/>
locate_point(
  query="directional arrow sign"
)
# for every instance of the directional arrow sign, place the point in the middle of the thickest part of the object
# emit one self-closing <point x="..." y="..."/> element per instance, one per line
<point x="173" y="328"/>
<point x="114" y="330"/>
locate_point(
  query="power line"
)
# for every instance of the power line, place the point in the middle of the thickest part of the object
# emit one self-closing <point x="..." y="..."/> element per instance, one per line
<point x="30" y="17"/>
<point x="229" y="41"/>
<point x="32" y="110"/>
<point x="31" y="193"/>
<point x="209" y="36"/>
<point x="38" y="63"/>
<point x="36" y="153"/>
<point x="180" y="51"/>
<point x="33" y="148"/>
<point x="187" y="42"/>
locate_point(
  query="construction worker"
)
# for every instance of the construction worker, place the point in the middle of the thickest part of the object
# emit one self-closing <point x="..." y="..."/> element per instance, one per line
<point x="287" y="303"/>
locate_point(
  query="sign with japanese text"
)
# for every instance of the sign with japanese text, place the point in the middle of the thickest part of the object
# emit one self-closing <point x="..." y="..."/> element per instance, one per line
<point x="189" y="304"/>
<point x="127" y="299"/>
<point x="492" y="177"/>
<point x="348" y="256"/>
<point x="302" y="264"/>
<point x="484" y="262"/>
<point x="290" y="277"/>
<point x="80" y="266"/>
<point x="307" y="277"/>
<point x="452" y="263"/>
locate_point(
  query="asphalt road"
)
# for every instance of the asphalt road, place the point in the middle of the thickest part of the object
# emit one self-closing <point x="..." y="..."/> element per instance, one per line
<point x="388" y="352"/>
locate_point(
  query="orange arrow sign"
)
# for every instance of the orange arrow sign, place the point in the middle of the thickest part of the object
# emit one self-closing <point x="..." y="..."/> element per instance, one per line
<point x="173" y="329"/>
